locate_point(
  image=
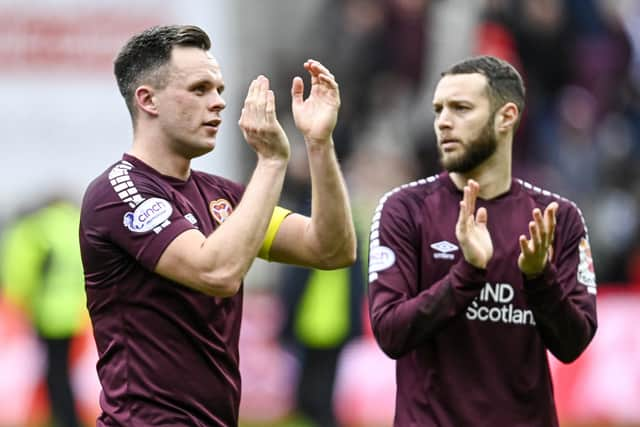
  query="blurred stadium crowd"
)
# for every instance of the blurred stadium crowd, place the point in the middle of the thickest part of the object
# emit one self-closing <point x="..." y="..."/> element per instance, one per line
<point x="580" y="135"/>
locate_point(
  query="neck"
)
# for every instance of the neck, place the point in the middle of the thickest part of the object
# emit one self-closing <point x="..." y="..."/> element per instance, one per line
<point x="493" y="175"/>
<point x="155" y="151"/>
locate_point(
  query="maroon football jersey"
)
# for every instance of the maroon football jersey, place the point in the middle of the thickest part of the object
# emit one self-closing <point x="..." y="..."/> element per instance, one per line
<point x="471" y="344"/>
<point x="168" y="355"/>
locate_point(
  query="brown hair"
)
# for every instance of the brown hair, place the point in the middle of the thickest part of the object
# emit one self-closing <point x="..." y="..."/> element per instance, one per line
<point x="144" y="57"/>
<point x="504" y="82"/>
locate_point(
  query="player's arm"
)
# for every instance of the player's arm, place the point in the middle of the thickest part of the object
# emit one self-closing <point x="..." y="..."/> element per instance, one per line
<point x="403" y="313"/>
<point x="216" y="264"/>
<point x="562" y="293"/>
<point x="327" y="239"/>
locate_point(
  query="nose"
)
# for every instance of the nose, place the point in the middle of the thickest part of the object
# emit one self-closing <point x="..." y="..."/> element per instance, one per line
<point x="443" y="120"/>
<point x="217" y="102"/>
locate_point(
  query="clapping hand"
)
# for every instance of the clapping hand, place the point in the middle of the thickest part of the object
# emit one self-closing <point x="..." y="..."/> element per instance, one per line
<point x="471" y="228"/>
<point x="536" y="251"/>
<point x="259" y="124"/>
<point x="317" y="115"/>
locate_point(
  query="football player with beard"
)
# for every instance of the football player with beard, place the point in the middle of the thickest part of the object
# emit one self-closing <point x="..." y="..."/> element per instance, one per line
<point x="474" y="274"/>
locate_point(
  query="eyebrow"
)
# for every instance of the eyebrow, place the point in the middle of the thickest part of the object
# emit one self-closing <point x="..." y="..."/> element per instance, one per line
<point x="452" y="102"/>
<point x="208" y="82"/>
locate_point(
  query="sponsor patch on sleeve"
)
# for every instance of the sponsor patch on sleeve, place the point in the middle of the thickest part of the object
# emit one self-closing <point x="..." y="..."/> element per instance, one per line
<point x="148" y="215"/>
<point x="586" y="272"/>
<point x="381" y="258"/>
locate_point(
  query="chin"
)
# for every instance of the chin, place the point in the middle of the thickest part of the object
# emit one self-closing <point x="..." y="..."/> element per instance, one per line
<point x="206" y="150"/>
<point x="209" y="145"/>
<point x="199" y="150"/>
<point x="450" y="162"/>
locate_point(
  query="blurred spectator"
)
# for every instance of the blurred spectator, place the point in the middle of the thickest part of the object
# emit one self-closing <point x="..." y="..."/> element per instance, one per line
<point x="42" y="274"/>
<point x="376" y="50"/>
<point x="580" y="133"/>
<point x="323" y="311"/>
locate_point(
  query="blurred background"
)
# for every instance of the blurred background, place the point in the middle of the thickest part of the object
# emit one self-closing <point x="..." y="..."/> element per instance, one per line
<point x="307" y="355"/>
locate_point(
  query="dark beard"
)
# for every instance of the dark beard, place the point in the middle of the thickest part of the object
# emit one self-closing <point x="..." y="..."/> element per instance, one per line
<point x="477" y="151"/>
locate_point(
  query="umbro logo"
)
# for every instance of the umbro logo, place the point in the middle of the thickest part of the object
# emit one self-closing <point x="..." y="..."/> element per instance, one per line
<point x="444" y="249"/>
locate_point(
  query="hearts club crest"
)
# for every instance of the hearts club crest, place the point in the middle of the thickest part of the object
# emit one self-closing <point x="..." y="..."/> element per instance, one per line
<point x="220" y="210"/>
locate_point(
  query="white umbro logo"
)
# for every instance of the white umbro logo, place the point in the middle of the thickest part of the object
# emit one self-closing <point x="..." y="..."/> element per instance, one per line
<point x="444" y="248"/>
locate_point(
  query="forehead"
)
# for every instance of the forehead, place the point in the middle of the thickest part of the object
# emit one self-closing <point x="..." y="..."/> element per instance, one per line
<point x="194" y="63"/>
<point x="461" y="87"/>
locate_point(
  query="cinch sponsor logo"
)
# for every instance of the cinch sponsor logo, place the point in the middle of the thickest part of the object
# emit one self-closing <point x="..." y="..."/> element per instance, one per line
<point x="151" y="211"/>
<point x="499" y="293"/>
<point x="150" y="214"/>
<point x="381" y="258"/>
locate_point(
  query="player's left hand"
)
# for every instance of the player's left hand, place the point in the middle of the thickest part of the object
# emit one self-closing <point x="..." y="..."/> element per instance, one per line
<point x="316" y="116"/>
<point x="536" y="251"/>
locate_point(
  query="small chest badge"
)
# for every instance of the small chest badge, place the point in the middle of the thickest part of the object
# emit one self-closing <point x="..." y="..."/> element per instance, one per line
<point x="220" y="210"/>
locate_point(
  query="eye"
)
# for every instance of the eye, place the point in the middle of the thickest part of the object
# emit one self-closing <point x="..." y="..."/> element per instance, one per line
<point x="199" y="90"/>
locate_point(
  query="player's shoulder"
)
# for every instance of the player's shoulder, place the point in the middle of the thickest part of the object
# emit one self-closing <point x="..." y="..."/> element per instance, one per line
<point x="541" y="197"/>
<point x="123" y="182"/>
<point x="414" y="192"/>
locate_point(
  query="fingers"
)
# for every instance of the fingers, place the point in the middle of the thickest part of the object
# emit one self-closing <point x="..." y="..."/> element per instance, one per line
<point x="320" y="74"/>
<point x="525" y="247"/>
<point x="535" y="234"/>
<point x="253" y="88"/>
<point x="538" y="240"/>
<point x="481" y="216"/>
<point x="259" y="106"/>
<point x="270" y="107"/>
<point x="315" y="67"/>
<point x="550" y="219"/>
<point x="248" y="102"/>
<point x="470" y="195"/>
<point x="468" y="205"/>
<point x="297" y="90"/>
<point x="462" y="218"/>
<point x="541" y="231"/>
<point x="261" y="99"/>
<point x="543" y="227"/>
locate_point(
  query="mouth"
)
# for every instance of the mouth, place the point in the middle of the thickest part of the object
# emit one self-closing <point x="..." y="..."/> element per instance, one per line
<point x="449" y="143"/>
<point x="213" y="124"/>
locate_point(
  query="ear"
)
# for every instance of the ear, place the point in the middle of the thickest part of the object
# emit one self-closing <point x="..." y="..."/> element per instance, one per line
<point x="507" y="117"/>
<point x="146" y="100"/>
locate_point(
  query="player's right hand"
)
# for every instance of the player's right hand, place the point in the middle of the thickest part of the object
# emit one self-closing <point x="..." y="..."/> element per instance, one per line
<point x="259" y="124"/>
<point x="471" y="228"/>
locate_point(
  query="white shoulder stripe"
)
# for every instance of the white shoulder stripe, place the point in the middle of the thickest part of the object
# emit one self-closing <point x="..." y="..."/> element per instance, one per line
<point x="555" y="196"/>
<point x="374" y="236"/>
<point x="122" y="184"/>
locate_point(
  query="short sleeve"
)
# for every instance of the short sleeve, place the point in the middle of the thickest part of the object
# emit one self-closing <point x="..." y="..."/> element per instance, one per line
<point x="141" y="220"/>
